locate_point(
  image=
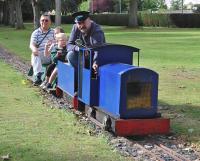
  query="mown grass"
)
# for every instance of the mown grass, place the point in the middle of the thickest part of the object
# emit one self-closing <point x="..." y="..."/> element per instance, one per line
<point x="29" y="131"/>
<point x="172" y="52"/>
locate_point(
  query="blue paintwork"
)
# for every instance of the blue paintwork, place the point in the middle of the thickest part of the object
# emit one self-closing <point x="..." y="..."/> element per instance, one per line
<point x="112" y="94"/>
<point x="66" y="78"/>
<point x="109" y="89"/>
<point x="112" y="53"/>
<point x="89" y="92"/>
<point x="88" y="89"/>
<point x="87" y="86"/>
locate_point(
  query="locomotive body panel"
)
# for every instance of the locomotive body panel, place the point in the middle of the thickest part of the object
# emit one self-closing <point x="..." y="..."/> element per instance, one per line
<point x="66" y="78"/>
<point x="88" y="88"/>
<point x="128" y="91"/>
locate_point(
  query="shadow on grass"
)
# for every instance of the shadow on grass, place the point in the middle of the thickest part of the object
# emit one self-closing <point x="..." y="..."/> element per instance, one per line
<point x="184" y="119"/>
<point x="188" y="109"/>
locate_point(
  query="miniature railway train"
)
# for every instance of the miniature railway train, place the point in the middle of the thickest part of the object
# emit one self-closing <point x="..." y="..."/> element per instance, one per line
<point x="121" y="97"/>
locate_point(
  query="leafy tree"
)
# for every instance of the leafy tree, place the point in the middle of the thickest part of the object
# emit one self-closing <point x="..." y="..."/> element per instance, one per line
<point x="196" y="8"/>
<point x="70" y="6"/>
<point x="151" y="5"/>
<point x="41" y="6"/>
<point x="18" y="13"/>
<point x="176" y="4"/>
<point x="12" y="13"/>
<point x="162" y="4"/>
<point x="46" y="5"/>
<point x="123" y="4"/>
<point x="84" y="6"/>
<point x="27" y="11"/>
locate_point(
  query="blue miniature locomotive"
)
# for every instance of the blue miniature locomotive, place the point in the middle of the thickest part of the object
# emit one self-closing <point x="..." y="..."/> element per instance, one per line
<point x="120" y="97"/>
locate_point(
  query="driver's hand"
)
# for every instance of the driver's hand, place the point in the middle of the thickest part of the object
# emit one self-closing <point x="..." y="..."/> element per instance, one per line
<point x="86" y="53"/>
<point x="95" y="67"/>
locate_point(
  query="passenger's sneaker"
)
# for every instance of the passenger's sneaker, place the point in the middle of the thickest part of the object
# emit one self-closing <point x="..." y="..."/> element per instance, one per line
<point x="43" y="85"/>
<point x="49" y="86"/>
<point x="37" y="82"/>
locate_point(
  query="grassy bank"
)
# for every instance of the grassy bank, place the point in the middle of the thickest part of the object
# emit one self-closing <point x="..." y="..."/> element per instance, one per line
<point x="173" y="53"/>
<point x="30" y="131"/>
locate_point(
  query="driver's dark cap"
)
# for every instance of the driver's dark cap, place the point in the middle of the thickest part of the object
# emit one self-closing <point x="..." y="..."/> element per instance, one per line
<point x="80" y="16"/>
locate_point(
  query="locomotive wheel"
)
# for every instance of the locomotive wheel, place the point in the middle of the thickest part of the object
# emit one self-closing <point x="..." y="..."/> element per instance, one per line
<point x="107" y="123"/>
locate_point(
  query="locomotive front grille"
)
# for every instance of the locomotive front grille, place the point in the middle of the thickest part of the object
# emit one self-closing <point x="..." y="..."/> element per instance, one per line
<point x="138" y="95"/>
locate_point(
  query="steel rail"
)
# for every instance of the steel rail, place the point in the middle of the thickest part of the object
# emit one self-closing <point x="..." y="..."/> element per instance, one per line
<point x="149" y="152"/>
<point x="172" y="153"/>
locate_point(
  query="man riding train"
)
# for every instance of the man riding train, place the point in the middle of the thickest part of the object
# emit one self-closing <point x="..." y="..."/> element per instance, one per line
<point x="89" y="33"/>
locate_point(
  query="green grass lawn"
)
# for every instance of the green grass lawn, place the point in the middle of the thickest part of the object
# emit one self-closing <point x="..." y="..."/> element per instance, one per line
<point x="29" y="131"/>
<point x="172" y="52"/>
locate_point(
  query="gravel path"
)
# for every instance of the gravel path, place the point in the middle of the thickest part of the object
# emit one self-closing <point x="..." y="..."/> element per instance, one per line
<point x="147" y="148"/>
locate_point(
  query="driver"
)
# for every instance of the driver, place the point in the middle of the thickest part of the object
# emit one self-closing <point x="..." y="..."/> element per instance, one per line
<point x="88" y="32"/>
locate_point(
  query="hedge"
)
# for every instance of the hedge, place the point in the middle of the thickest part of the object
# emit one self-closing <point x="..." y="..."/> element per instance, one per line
<point x="144" y="19"/>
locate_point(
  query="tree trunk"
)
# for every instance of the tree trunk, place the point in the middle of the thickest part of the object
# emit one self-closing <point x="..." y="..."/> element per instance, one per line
<point x="5" y="13"/>
<point x="19" y="19"/>
<point x="12" y="17"/>
<point x="1" y="12"/>
<point x="132" y="21"/>
<point x="36" y="13"/>
<point x="58" y="13"/>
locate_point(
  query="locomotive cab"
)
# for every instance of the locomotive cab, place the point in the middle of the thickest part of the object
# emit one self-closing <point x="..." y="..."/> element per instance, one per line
<point x="88" y="83"/>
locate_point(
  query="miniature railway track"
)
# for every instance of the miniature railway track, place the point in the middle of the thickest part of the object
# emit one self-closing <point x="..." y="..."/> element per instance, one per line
<point x="157" y="151"/>
<point x="152" y="156"/>
<point x="172" y="153"/>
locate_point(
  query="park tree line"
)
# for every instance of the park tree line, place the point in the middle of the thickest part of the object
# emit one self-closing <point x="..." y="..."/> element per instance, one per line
<point x="11" y="11"/>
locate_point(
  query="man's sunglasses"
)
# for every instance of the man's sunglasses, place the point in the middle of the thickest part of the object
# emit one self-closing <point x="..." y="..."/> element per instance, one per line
<point x="45" y="20"/>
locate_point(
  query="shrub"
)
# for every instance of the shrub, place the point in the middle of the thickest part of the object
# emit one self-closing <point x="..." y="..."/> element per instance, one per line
<point x="144" y="19"/>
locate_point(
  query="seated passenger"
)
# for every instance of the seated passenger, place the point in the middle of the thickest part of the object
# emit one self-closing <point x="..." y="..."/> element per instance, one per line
<point x="58" y="52"/>
<point x="48" y="47"/>
<point x="51" y="43"/>
<point x="37" y="44"/>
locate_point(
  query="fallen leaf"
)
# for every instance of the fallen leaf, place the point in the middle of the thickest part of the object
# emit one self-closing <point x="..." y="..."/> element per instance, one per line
<point x="5" y="157"/>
